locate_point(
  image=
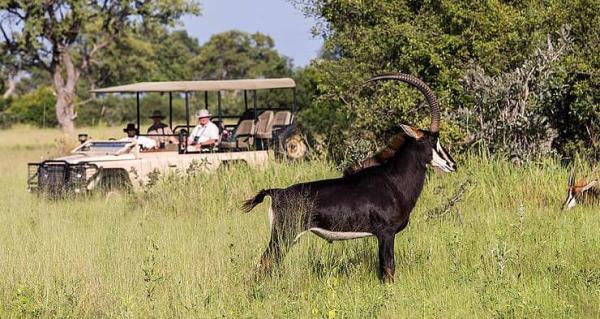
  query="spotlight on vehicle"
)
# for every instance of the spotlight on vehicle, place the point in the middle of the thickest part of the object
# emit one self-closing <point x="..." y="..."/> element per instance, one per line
<point x="82" y="138"/>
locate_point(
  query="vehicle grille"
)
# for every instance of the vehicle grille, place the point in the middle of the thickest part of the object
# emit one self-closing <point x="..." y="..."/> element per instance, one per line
<point x="57" y="178"/>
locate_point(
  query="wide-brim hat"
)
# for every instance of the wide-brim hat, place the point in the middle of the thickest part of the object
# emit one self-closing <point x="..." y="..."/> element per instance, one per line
<point x="157" y="114"/>
<point x="203" y="113"/>
<point x="130" y="127"/>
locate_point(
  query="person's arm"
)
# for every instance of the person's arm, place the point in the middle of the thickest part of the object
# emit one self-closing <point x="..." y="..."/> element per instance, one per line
<point x="192" y="136"/>
<point x="171" y="138"/>
<point x="209" y="142"/>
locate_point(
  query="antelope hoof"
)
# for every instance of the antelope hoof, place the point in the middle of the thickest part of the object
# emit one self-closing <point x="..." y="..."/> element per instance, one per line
<point x="388" y="276"/>
<point x="265" y="266"/>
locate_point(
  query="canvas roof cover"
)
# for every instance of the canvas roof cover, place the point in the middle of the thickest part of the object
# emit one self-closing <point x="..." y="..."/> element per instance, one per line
<point x="192" y="86"/>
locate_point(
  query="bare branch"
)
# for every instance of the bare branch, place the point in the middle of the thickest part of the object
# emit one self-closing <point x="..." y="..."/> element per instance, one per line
<point x="6" y="38"/>
<point x="16" y="13"/>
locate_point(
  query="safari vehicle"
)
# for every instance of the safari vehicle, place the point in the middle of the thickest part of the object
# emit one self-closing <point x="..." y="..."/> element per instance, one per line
<point x="122" y="163"/>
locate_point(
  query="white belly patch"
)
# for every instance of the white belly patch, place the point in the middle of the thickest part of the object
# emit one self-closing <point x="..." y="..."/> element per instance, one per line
<point x="333" y="235"/>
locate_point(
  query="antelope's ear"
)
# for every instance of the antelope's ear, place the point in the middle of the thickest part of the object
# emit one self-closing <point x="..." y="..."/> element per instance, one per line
<point x="412" y="132"/>
<point x="589" y="185"/>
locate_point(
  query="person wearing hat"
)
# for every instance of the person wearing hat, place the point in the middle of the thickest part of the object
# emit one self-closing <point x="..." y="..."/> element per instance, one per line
<point x="206" y="133"/>
<point x="132" y="135"/>
<point x="164" y="132"/>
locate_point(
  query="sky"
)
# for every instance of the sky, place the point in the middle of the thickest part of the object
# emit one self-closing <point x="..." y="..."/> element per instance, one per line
<point x="277" y="18"/>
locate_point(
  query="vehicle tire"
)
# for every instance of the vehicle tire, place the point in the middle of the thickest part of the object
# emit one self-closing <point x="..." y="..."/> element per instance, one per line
<point x="291" y="144"/>
<point x="114" y="179"/>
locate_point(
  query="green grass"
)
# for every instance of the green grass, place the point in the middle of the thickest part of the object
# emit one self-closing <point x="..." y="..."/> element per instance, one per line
<point x="183" y="249"/>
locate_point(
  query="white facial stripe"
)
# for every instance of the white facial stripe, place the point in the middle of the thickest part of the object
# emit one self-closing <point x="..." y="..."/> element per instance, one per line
<point x="437" y="159"/>
<point x="443" y="153"/>
<point x="441" y="160"/>
<point x="571" y="201"/>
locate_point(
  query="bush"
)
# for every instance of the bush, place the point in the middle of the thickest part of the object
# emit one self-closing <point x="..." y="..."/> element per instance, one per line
<point x="510" y="114"/>
<point x="35" y="107"/>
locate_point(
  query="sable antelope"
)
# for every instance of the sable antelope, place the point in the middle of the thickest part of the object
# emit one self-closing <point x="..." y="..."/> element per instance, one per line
<point x="581" y="191"/>
<point x="375" y="201"/>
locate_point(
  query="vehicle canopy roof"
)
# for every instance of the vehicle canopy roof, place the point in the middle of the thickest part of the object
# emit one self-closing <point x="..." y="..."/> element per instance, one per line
<point x="195" y="86"/>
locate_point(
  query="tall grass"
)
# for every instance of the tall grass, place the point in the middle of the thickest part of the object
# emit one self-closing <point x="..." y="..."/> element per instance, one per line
<point x="183" y="249"/>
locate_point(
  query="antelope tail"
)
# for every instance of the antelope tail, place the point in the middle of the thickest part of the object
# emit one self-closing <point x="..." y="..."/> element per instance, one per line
<point x="249" y="204"/>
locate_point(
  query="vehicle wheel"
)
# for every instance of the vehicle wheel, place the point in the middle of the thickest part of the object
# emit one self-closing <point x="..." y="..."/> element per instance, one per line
<point x="115" y="179"/>
<point x="291" y="144"/>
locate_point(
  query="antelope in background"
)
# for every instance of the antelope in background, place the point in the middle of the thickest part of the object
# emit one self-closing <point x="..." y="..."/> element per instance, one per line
<point x="582" y="191"/>
<point x="373" y="201"/>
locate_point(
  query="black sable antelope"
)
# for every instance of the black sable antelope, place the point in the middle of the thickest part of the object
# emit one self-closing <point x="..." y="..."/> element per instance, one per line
<point x="373" y="201"/>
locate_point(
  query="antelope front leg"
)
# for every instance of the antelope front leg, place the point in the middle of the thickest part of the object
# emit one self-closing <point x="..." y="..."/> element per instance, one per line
<point x="387" y="265"/>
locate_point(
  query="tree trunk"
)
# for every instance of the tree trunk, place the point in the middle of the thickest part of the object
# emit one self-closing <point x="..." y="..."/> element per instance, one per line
<point x="65" y="109"/>
<point x="12" y="85"/>
<point x="65" y="91"/>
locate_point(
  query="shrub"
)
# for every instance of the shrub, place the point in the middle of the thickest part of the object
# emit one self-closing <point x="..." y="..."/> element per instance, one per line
<point x="35" y="107"/>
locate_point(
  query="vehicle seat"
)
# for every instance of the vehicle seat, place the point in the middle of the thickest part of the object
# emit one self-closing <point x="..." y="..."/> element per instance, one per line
<point x="281" y="119"/>
<point x="243" y="136"/>
<point x="264" y="125"/>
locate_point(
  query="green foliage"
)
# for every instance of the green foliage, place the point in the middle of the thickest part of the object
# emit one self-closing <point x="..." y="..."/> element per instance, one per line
<point x="440" y="41"/>
<point x="512" y="110"/>
<point x="238" y="55"/>
<point x="144" y="56"/>
<point x="35" y="107"/>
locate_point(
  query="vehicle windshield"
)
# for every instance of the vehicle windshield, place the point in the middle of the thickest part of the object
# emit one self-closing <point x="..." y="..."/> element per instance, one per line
<point x="106" y="147"/>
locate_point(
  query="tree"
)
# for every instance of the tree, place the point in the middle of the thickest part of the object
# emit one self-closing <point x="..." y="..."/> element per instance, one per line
<point x="162" y="55"/>
<point x="237" y="55"/>
<point x="65" y="37"/>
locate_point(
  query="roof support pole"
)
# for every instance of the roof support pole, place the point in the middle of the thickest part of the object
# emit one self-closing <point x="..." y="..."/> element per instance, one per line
<point x="294" y="102"/>
<point x="137" y="100"/>
<point x="219" y="104"/>
<point x="187" y="112"/>
<point x="254" y="98"/>
<point x="206" y="100"/>
<point x="171" y="110"/>
<point x="245" y="100"/>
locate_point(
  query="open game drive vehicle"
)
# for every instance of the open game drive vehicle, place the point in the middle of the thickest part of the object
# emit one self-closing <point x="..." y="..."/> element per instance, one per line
<point x="124" y="164"/>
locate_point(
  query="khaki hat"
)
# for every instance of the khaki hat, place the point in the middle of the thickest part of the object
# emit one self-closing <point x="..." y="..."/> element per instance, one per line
<point x="202" y="113"/>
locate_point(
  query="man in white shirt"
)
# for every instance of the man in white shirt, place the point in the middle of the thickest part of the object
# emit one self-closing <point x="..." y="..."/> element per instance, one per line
<point x="206" y="133"/>
<point x="145" y="143"/>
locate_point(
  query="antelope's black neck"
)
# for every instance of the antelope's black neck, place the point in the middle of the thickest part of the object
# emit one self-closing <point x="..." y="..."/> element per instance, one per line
<point x="407" y="170"/>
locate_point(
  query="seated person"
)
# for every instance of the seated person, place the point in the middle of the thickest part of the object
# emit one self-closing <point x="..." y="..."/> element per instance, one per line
<point x="205" y="134"/>
<point x="160" y="128"/>
<point x="145" y="143"/>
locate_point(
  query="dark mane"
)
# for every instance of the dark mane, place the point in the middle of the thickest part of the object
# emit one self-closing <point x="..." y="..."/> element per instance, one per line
<point x="382" y="156"/>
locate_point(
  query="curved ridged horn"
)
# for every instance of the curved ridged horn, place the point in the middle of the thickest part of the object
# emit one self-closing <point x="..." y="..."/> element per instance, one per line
<point x="421" y="86"/>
